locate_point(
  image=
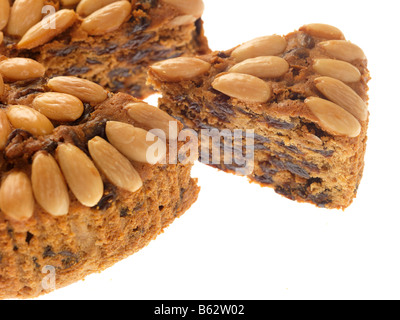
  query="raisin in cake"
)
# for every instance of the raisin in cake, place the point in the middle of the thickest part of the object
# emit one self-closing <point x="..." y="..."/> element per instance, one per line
<point x="108" y="42"/>
<point x="305" y="97"/>
<point x="80" y="188"/>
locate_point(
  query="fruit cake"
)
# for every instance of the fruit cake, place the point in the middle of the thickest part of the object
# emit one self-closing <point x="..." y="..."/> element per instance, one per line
<point x="80" y="186"/>
<point x="303" y="95"/>
<point x="108" y="42"/>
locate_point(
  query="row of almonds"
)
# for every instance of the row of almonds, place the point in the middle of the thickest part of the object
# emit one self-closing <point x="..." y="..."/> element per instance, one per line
<point x="258" y="60"/>
<point x="25" y="18"/>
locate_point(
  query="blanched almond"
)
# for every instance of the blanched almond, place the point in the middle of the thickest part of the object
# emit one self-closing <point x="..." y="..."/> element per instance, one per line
<point x="87" y="7"/>
<point x="5" y="129"/>
<point x="4" y="13"/>
<point x="243" y="87"/>
<point x="324" y="31"/>
<point x="48" y="184"/>
<point x="114" y="165"/>
<point x="343" y="50"/>
<point x="16" y="197"/>
<point x="337" y="69"/>
<point x="1" y="85"/>
<point x="81" y="175"/>
<point x="190" y="7"/>
<point x="24" y="15"/>
<point x="262" y="67"/>
<point x="180" y="69"/>
<point x="18" y="69"/>
<point x="134" y="143"/>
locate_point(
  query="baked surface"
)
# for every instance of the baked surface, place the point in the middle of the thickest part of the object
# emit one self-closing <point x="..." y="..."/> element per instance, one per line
<point x="88" y="238"/>
<point x="117" y="60"/>
<point x="305" y="97"/>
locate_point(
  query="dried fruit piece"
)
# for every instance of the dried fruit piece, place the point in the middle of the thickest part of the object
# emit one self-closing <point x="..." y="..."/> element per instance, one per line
<point x="324" y="31"/>
<point x="337" y="69"/>
<point x="81" y="175"/>
<point x="243" y="87"/>
<point x="47" y="29"/>
<point x="262" y="67"/>
<point x="179" y="69"/>
<point x="107" y="19"/>
<point x="134" y="143"/>
<point x="341" y="94"/>
<point x="58" y="106"/>
<point x="24" y="15"/>
<point x="343" y="50"/>
<point x="5" y="129"/>
<point x="263" y="46"/>
<point x="85" y="90"/>
<point x="333" y="118"/>
<point x="18" y="69"/>
<point x="48" y="184"/>
<point x="87" y="7"/>
<point x="4" y="13"/>
<point x="28" y="119"/>
<point x="114" y="165"/>
<point x="16" y="197"/>
<point x="189" y="7"/>
<point x="153" y="118"/>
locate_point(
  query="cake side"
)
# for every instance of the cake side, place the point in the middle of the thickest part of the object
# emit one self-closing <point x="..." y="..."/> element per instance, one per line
<point x="303" y="95"/>
<point x="109" y="42"/>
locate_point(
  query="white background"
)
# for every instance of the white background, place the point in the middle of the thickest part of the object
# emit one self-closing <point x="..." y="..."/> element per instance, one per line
<point x="241" y="241"/>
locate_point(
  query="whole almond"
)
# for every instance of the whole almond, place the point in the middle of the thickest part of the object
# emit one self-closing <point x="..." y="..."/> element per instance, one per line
<point x="48" y="184"/>
<point x="180" y="69"/>
<point x="16" y="197"/>
<point x="188" y="7"/>
<point x="114" y="165"/>
<point x="337" y="69"/>
<point x="5" y="129"/>
<point x="58" y="106"/>
<point x="28" y="119"/>
<point x="344" y="96"/>
<point x="87" y="7"/>
<point x="69" y="3"/>
<point x="134" y="143"/>
<point x="107" y="19"/>
<point x="4" y="13"/>
<point x="18" y="69"/>
<point x="1" y="37"/>
<point x="24" y="15"/>
<point x="324" y="31"/>
<point x="42" y="32"/>
<point x="262" y="67"/>
<point x="153" y="118"/>
<point x="333" y="118"/>
<point x="343" y="50"/>
<point x="2" y="88"/>
<point x="263" y="46"/>
<point x="83" y="89"/>
<point x="81" y="175"/>
<point x="243" y="87"/>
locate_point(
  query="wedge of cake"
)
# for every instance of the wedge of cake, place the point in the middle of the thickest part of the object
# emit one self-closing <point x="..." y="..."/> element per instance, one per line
<point x="108" y="42"/>
<point x="304" y="98"/>
<point x="80" y="186"/>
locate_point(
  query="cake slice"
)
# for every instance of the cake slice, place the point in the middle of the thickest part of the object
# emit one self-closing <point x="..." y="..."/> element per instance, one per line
<point x="80" y="186"/>
<point x="298" y="104"/>
<point x="108" y="42"/>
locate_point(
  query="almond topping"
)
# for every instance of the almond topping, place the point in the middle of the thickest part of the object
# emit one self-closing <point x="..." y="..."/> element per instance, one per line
<point x="263" y="46"/>
<point x="24" y="15"/>
<point x="324" y="31"/>
<point x="189" y="7"/>
<point x="343" y="50"/>
<point x="58" y="106"/>
<point x="107" y="19"/>
<point x="4" y="13"/>
<point x="114" y="165"/>
<point x="243" y="87"/>
<point x="28" y="119"/>
<point x="344" y="96"/>
<point x="49" y="186"/>
<point x="1" y="85"/>
<point x="5" y="129"/>
<point x="19" y="69"/>
<point x="180" y="69"/>
<point x="262" y="67"/>
<point x="83" y="89"/>
<point x="333" y="118"/>
<point x="337" y="69"/>
<point x="87" y="7"/>
<point x="81" y="175"/>
<point x="43" y="32"/>
<point x="16" y="197"/>
<point x="134" y="143"/>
